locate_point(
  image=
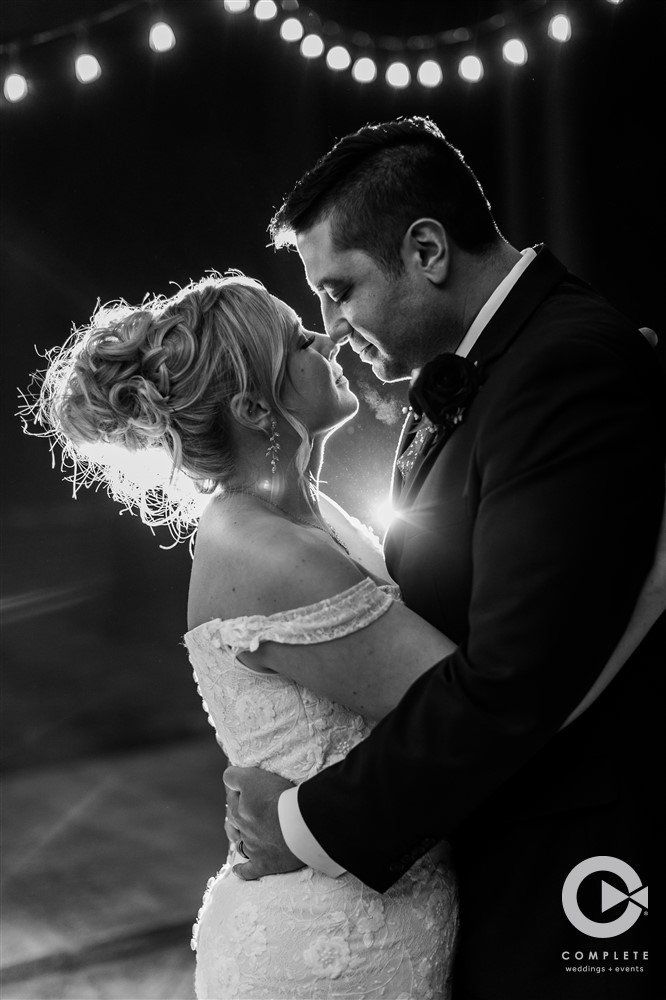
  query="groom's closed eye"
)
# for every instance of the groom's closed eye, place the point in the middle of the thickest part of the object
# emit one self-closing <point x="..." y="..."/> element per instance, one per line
<point x="335" y="291"/>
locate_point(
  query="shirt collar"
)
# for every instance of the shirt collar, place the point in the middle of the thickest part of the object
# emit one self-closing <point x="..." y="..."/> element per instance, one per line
<point x="490" y="307"/>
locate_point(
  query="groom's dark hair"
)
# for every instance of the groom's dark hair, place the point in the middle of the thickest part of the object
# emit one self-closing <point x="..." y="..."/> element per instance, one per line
<point x="375" y="182"/>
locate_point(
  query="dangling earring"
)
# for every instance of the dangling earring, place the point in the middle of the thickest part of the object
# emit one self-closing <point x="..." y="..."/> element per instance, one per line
<point x="273" y="446"/>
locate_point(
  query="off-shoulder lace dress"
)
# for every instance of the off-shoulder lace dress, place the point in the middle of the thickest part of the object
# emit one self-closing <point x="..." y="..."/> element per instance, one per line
<point x="303" y="934"/>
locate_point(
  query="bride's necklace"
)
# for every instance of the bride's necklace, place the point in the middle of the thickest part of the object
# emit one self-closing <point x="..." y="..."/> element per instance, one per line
<point x="328" y="529"/>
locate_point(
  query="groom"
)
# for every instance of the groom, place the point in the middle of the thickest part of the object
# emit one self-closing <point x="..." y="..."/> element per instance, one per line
<point x="530" y="492"/>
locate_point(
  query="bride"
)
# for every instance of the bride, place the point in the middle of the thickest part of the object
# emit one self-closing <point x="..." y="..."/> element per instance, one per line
<point x="298" y="640"/>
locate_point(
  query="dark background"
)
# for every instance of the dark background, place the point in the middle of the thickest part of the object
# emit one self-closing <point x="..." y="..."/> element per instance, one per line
<point x="173" y="164"/>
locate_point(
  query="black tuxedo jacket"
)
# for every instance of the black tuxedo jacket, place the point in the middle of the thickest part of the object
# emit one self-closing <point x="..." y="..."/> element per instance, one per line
<point x="525" y="538"/>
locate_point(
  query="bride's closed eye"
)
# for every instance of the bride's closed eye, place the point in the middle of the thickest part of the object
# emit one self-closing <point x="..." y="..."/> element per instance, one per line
<point x="306" y="342"/>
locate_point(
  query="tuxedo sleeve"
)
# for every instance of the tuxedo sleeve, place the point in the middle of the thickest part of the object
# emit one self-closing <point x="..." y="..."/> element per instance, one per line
<point x="569" y="464"/>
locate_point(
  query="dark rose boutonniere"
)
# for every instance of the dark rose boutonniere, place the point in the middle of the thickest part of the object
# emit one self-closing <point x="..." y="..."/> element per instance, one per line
<point x="443" y="388"/>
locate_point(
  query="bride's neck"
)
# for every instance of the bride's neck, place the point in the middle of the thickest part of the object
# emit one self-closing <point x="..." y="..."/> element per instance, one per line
<point x="293" y="493"/>
<point x="316" y="460"/>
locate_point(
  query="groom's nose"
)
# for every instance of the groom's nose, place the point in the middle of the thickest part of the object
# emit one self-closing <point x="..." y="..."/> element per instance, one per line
<point x="337" y="327"/>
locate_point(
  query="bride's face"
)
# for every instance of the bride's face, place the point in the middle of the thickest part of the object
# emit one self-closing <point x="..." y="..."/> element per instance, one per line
<point x="315" y="389"/>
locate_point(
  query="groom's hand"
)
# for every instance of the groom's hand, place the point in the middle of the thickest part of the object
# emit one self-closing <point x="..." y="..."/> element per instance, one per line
<point x="252" y="797"/>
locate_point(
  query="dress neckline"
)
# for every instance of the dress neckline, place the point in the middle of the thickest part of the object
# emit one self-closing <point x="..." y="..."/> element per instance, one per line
<point x="309" y="609"/>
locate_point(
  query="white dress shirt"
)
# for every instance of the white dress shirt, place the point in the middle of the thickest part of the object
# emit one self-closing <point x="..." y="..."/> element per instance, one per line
<point x="295" y="831"/>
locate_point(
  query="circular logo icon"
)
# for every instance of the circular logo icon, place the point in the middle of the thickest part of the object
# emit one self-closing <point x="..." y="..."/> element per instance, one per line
<point x="636" y="897"/>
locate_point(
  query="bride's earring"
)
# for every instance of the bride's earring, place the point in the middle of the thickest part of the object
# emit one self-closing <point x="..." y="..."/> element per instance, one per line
<point x="273" y="446"/>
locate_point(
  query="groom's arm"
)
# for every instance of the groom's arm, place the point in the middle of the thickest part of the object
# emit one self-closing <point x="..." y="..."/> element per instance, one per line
<point x="565" y="533"/>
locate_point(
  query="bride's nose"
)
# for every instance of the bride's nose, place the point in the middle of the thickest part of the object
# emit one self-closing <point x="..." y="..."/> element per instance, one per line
<point x="327" y="347"/>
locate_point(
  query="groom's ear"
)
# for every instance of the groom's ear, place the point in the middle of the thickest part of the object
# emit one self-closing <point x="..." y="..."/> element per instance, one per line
<point x="250" y="412"/>
<point x="425" y="247"/>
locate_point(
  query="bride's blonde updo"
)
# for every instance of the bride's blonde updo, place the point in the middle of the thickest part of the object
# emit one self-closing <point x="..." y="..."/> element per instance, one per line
<point x="139" y="397"/>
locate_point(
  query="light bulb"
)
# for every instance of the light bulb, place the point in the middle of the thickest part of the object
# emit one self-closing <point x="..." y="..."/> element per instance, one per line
<point x="559" y="28"/>
<point x="514" y="52"/>
<point x="312" y="47"/>
<point x="265" y="10"/>
<point x="471" y="69"/>
<point x="15" y="87"/>
<point x="338" y="58"/>
<point x="87" y="68"/>
<point x="364" y="70"/>
<point x="398" y="75"/>
<point x="429" y="73"/>
<point x="291" y="30"/>
<point x="161" y="37"/>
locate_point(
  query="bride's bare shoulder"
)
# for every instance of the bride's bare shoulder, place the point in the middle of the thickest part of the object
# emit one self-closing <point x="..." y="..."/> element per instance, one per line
<point x="229" y="528"/>
<point x="250" y="562"/>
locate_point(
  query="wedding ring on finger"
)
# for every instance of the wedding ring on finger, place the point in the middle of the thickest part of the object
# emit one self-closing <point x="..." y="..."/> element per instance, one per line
<point x="241" y="850"/>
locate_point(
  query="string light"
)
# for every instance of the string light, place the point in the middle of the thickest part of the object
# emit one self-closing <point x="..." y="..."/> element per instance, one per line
<point x="559" y="28"/>
<point x="364" y="70"/>
<point x="470" y="68"/>
<point x="429" y="73"/>
<point x="265" y="10"/>
<point x="398" y="75"/>
<point x="87" y="68"/>
<point x="312" y="47"/>
<point x="342" y="47"/>
<point x="338" y="58"/>
<point x="291" y="30"/>
<point x="15" y="87"/>
<point x="161" y="37"/>
<point x="514" y="52"/>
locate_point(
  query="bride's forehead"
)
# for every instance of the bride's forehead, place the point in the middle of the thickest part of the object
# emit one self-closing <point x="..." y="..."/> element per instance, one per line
<point x="290" y="314"/>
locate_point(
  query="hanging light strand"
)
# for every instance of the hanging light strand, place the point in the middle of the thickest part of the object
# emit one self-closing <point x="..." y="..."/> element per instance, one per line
<point x="399" y="62"/>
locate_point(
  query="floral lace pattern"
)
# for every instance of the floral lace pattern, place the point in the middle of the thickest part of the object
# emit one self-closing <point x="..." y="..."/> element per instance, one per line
<point x="304" y="935"/>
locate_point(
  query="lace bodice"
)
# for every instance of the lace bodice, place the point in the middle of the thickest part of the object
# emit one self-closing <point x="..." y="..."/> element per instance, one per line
<point x="264" y="720"/>
<point x="304" y="935"/>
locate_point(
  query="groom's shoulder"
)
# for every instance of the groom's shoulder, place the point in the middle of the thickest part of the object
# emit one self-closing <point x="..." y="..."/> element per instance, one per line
<point x="575" y="349"/>
<point x="578" y="326"/>
<point x="576" y="307"/>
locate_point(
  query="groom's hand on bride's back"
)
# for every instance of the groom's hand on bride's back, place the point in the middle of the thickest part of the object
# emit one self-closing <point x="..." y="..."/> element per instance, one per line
<point x="252" y="798"/>
<point x="649" y="335"/>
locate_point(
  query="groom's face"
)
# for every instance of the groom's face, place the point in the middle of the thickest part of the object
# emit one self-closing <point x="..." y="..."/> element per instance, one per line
<point x="384" y="318"/>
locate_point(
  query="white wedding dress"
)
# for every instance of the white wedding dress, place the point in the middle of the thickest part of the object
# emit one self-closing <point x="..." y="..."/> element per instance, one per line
<point x="303" y="934"/>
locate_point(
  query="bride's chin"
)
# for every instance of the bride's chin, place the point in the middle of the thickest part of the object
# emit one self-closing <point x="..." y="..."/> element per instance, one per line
<point x="351" y="407"/>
